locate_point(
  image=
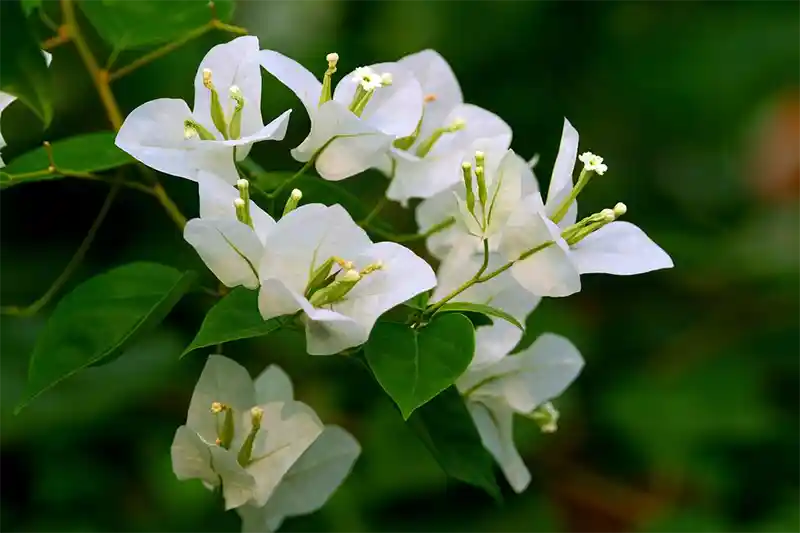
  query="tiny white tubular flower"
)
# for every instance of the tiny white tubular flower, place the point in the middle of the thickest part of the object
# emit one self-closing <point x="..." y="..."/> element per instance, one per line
<point x="239" y="437"/>
<point x="320" y="262"/>
<point x="347" y="138"/>
<point x="492" y="342"/>
<point x="518" y="383"/>
<point x="166" y="135"/>
<point x="313" y="478"/>
<point x="230" y="248"/>
<point x="428" y="162"/>
<point x="508" y="179"/>
<point x="593" y="162"/>
<point x="7" y="99"/>
<point x="615" y="247"/>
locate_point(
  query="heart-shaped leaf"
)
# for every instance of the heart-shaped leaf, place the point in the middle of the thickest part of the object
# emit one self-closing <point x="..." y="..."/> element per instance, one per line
<point x="100" y="318"/>
<point x="234" y="317"/>
<point x="414" y="365"/>
<point x="446" y="428"/>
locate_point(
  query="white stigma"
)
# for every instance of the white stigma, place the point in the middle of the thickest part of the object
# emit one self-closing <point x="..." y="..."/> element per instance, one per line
<point x="238" y="203"/>
<point x="242" y="183"/>
<point x="297" y="194"/>
<point x="351" y="276"/>
<point x="608" y="214"/>
<point x="592" y="163"/>
<point x="235" y="92"/>
<point x="333" y="57"/>
<point x="620" y="209"/>
<point x="386" y="79"/>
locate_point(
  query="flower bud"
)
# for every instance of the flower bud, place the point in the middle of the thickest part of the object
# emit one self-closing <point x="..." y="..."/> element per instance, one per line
<point x="217" y="113"/>
<point x="466" y="170"/>
<point x="291" y="203"/>
<point x="546" y="415"/>
<point x="336" y="290"/>
<point x="319" y="278"/>
<point x="256" y="414"/>
<point x="620" y="209"/>
<point x="235" y="128"/>
<point x="325" y="94"/>
<point x="192" y="128"/>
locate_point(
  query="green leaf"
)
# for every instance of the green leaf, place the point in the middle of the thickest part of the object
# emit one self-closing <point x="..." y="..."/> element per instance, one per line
<point x="93" y="152"/>
<point x="234" y="317"/>
<point x="100" y="318"/>
<point x="446" y="428"/>
<point x="125" y="24"/>
<point x="414" y="365"/>
<point x="483" y="309"/>
<point x="23" y="66"/>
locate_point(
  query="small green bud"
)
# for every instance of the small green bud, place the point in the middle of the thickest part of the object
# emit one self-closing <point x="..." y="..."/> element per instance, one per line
<point x="291" y="203"/>
<point x="246" y="451"/>
<point x="241" y="210"/>
<point x="225" y="433"/>
<point x="466" y="170"/>
<point x="336" y="290"/>
<point x="242" y="204"/>
<point x="192" y="129"/>
<point x="235" y="128"/>
<point x="482" y="191"/>
<point x="546" y="415"/>
<point x="425" y="147"/>
<point x="217" y="113"/>
<point x="325" y="95"/>
<point x="319" y="276"/>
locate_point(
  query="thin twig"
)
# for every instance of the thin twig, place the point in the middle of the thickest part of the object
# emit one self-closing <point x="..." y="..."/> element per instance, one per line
<point x="73" y="264"/>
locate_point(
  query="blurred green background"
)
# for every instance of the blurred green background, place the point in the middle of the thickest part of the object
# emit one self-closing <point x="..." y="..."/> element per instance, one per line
<point x="686" y="415"/>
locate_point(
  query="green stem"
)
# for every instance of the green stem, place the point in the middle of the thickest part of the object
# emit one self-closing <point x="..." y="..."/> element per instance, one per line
<point x="408" y="237"/>
<point x="375" y="212"/>
<point x="73" y="264"/>
<point x="274" y="194"/>
<point x="478" y="278"/>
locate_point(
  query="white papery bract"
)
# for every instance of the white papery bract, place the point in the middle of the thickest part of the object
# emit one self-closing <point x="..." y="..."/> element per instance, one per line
<point x="302" y="242"/>
<point x="287" y="429"/>
<point x="618" y="247"/>
<point x="519" y="384"/>
<point x="343" y="143"/>
<point x="7" y="99"/>
<point x="156" y="133"/>
<point x="231" y="249"/>
<point x="508" y="179"/>
<point x="431" y="163"/>
<point x="313" y="478"/>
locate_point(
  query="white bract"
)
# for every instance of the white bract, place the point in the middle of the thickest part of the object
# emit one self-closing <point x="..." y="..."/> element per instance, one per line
<point x="596" y="244"/>
<point x="521" y="383"/>
<point x="239" y="435"/>
<point x="226" y="120"/>
<point x="319" y="262"/>
<point x="230" y="248"/>
<point x="508" y="179"/>
<point x="313" y="478"/>
<point x="428" y="161"/>
<point x="7" y="99"/>
<point x="352" y="129"/>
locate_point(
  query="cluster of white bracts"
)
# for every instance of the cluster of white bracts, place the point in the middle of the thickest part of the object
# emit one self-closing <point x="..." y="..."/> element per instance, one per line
<point x="407" y="119"/>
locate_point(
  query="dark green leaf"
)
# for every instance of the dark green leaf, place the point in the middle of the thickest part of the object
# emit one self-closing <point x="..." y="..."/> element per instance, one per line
<point x="100" y="318"/>
<point x="414" y="365"/>
<point x="418" y="302"/>
<point x="125" y="24"/>
<point x="446" y="428"/>
<point x="23" y="66"/>
<point x="483" y="309"/>
<point x="234" y="317"/>
<point x="93" y="152"/>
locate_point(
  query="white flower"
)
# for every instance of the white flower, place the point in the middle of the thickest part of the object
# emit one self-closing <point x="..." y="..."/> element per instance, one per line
<point x="230" y="248"/>
<point x="592" y="162"/>
<point x="6" y="99"/>
<point x="352" y="143"/>
<point x="619" y="247"/>
<point x="430" y="164"/>
<point x="492" y="342"/>
<point x="368" y="279"/>
<point x="165" y="135"/>
<point x="313" y="478"/>
<point x="517" y="383"/>
<point x="208" y="448"/>
<point x="508" y="180"/>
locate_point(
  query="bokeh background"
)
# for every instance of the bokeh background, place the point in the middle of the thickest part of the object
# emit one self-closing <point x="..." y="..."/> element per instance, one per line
<point x="686" y="415"/>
